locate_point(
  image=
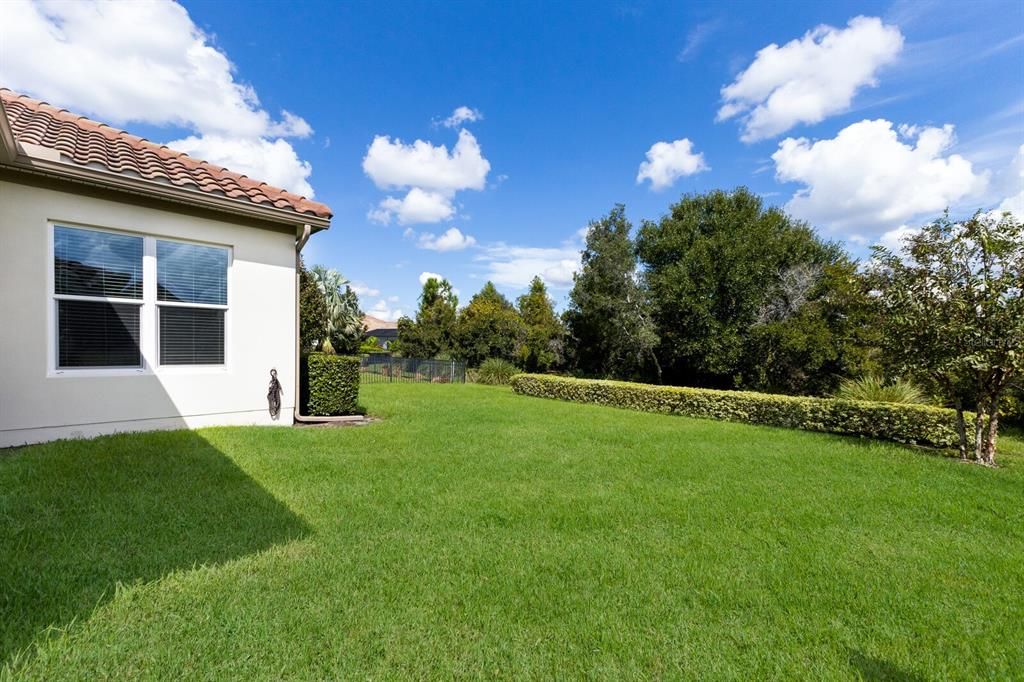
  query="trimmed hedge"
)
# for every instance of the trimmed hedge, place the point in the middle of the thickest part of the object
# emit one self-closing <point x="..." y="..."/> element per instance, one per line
<point x="917" y="424"/>
<point x="330" y="384"/>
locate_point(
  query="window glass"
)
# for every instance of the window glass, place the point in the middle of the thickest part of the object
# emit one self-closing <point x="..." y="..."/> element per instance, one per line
<point x="191" y="336"/>
<point x="98" y="334"/>
<point x="190" y="273"/>
<point x="94" y="263"/>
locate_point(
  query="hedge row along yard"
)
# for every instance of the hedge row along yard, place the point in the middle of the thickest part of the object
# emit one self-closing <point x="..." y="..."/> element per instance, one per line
<point x="913" y="424"/>
<point x="473" y="532"/>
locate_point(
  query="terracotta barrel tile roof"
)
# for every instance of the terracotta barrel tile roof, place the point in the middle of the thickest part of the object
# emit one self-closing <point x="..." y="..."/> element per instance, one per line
<point x="88" y="143"/>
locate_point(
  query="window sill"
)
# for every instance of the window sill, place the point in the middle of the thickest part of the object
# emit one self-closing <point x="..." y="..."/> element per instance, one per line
<point x="84" y="372"/>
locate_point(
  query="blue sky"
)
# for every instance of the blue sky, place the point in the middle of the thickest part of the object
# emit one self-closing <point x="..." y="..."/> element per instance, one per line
<point x="864" y="129"/>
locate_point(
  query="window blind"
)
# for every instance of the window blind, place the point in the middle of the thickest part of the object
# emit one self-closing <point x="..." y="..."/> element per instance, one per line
<point x="191" y="273"/>
<point x="191" y="336"/>
<point x="94" y="263"/>
<point x="98" y="334"/>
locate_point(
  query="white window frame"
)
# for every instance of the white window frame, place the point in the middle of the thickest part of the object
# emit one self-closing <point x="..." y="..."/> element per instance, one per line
<point x="148" y="321"/>
<point x="151" y="250"/>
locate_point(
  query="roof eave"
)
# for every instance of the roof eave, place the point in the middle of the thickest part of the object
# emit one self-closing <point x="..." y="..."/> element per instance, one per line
<point x="8" y="145"/>
<point x="142" y="187"/>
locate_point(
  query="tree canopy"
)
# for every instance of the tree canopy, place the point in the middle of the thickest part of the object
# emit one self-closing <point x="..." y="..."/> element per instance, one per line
<point x="543" y="348"/>
<point x="743" y="295"/>
<point x="344" y="318"/>
<point x="489" y="327"/>
<point x="953" y="314"/>
<point x="607" y="319"/>
<point x="432" y="332"/>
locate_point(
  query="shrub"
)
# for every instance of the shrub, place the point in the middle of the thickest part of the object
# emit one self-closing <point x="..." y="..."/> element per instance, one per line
<point x="874" y="389"/>
<point x="902" y="423"/>
<point x="496" y="371"/>
<point x="330" y="384"/>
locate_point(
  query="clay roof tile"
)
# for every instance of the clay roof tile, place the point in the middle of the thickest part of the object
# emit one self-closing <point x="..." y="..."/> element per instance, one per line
<point x="85" y="142"/>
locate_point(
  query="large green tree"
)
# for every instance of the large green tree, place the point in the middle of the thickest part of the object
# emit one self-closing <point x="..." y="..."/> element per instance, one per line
<point x="816" y="326"/>
<point x="312" y="312"/>
<point x="610" y="330"/>
<point x="489" y="327"/>
<point x="432" y="333"/>
<point x="740" y="295"/>
<point x="543" y="348"/>
<point x="344" y="318"/>
<point x="952" y="311"/>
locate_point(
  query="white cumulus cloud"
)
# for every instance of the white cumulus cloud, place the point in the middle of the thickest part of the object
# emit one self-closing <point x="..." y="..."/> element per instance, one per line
<point x="430" y="173"/>
<point x="515" y="266"/>
<point x="872" y="176"/>
<point x="810" y="78"/>
<point x="452" y="240"/>
<point x="363" y="289"/>
<point x="382" y="311"/>
<point x="893" y="239"/>
<point x="272" y="161"/>
<point x="147" y="62"/>
<point x="668" y="161"/>
<point x="1015" y="181"/>
<point x="417" y="206"/>
<point x="462" y="115"/>
<point x="425" y="276"/>
<point x="392" y="164"/>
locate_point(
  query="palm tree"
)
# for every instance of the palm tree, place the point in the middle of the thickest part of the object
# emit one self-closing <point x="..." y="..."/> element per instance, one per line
<point x="344" y="319"/>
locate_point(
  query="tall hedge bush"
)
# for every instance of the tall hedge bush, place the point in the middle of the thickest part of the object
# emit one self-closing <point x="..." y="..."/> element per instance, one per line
<point x="902" y="423"/>
<point x="330" y="384"/>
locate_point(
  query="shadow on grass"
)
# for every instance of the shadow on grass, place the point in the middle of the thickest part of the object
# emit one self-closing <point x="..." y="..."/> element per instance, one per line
<point x="79" y="517"/>
<point x="876" y="670"/>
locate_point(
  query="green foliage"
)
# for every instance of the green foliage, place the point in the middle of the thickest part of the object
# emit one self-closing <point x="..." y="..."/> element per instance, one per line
<point x="901" y="423"/>
<point x="344" y="318"/>
<point x="496" y="371"/>
<point x="331" y="384"/>
<point x="806" y="347"/>
<point x="607" y="319"/>
<point x="953" y="314"/>
<point x="312" y="312"/>
<point x="371" y="345"/>
<point x="489" y="327"/>
<point x="873" y="388"/>
<point x="433" y="330"/>
<point x="543" y="348"/>
<point x="744" y="295"/>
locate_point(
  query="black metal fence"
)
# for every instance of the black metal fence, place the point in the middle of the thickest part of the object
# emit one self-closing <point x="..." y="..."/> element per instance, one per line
<point x="382" y="368"/>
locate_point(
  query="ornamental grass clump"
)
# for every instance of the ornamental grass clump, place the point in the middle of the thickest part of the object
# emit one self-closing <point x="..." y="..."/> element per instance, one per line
<point x="875" y="389"/>
<point x="496" y="372"/>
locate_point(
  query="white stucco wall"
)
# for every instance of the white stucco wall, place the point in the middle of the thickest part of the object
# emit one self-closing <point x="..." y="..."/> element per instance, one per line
<point x="37" y="404"/>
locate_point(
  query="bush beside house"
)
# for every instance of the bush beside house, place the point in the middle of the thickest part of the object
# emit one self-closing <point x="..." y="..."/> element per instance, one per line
<point x="330" y="384"/>
<point x="903" y="423"/>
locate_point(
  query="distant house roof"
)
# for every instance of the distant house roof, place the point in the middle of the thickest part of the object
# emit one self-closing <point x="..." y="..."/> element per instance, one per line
<point x="373" y="324"/>
<point x="80" y="142"/>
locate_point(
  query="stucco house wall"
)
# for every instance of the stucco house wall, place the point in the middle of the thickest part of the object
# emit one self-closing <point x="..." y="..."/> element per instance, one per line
<point x="38" y="403"/>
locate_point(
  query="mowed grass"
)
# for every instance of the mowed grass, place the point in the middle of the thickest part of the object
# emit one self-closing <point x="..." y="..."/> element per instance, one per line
<point x="475" y="533"/>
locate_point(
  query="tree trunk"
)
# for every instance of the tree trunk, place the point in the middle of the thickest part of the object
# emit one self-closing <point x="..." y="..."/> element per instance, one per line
<point x="961" y="429"/>
<point x="979" y="429"/>
<point x="657" y="365"/>
<point x="992" y="432"/>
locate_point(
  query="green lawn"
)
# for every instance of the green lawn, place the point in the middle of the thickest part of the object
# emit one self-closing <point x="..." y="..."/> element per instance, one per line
<point x="474" y="533"/>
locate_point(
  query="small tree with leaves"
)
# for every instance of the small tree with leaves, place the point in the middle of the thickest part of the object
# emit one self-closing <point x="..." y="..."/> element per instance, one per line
<point x="432" y="332"/>
<point x="312" y="312"/>
<point x="545" y="334"/>
<point x="489" y="327"/>
<point x="608" y="321"/>
<point x="344" y="318"/>
<point x="953" y="314"/>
